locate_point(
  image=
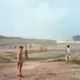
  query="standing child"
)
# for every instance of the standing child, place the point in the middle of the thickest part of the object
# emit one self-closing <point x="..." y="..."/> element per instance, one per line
<point x="20" y="61"/>
<point x="68" y="53"/>
<point x="26" y="52"/>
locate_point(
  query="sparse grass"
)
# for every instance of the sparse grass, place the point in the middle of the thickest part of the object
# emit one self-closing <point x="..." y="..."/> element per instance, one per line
<point x="5" y="59"/>
<point x="38" y="51"/>
<point x="58" y="58"/>
<point x="76" y="61"/>
<point x="35" y="59"/>
<point x="12" y="55"/>
<point x="9" y="52"/>
<point x="75" y="58"/>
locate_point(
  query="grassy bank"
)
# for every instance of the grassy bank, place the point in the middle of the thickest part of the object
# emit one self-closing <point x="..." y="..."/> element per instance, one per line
<point x="75" y="58"/>
<point x="11" y="57"/>
<point x="38" y="51"/>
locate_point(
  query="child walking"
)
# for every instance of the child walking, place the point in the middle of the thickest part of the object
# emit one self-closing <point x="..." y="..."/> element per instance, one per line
<point x="68" y="53"/>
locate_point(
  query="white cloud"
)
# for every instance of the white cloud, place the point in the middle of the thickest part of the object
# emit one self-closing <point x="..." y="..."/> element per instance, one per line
<point x="37" y="21"/>
<point x="15" y="2"/>
<point x="44" y="13"/>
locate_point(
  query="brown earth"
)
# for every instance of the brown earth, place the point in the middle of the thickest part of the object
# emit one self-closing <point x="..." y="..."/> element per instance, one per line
<point x="34" y="47"/>
<point x="41" y="71"/>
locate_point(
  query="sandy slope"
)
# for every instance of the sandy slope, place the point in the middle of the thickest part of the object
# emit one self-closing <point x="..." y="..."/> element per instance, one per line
<point x="42" y="71"/>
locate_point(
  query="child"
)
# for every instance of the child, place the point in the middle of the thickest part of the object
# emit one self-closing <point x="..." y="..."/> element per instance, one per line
<point x="68" y="53"/>
<point x="26" y="52"/>
<point x="20" y="60"/>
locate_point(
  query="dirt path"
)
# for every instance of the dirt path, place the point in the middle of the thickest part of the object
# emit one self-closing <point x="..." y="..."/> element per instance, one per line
<point x="43" y="71"/>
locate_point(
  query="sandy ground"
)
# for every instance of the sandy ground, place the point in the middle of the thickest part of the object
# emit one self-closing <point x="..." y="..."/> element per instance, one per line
<point x="42" y="71"/>
<point x="36" y="47"/>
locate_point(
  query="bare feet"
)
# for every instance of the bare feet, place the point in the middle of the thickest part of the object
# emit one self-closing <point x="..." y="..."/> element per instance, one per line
<point x="20" y="75"/>
<point x="5" y="75"/>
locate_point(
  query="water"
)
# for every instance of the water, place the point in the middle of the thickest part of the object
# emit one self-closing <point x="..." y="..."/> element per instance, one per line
<point x="58" y="50"/>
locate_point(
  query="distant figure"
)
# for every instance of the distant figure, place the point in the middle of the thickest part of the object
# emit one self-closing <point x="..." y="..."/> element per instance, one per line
<point x="68" y="53"/>
<point x="30" y="45"/>
<point x="26" y="52"/>
<point x="20" y="60"/>
<point x="14" y="46"/>
<point x="10" y="47"/>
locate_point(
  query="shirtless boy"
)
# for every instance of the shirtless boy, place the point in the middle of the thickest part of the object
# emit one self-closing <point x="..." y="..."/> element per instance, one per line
<point x="20" y="61"/>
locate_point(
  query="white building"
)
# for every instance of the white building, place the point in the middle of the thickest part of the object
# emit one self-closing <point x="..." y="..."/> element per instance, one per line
<point x="65" y="41"/>
<point x="77" y="41"/>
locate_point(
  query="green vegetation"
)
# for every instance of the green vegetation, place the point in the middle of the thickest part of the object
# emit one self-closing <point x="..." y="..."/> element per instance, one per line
<point x="11" y="57"/>
<point x="5" y="59"/>
<point x="38" y="51"/>
<point x="75" y="58"/>
<point x="36" y="59"/>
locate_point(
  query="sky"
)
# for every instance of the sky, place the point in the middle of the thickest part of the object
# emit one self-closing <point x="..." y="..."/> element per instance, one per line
<point x="42" y="19"/>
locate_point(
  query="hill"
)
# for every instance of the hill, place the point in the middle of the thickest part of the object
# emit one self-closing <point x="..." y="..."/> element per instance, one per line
<point x="19" y="40"/>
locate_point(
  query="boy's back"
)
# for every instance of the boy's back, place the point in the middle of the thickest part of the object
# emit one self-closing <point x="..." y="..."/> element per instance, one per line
<point x="68" y="53"/>
<point x="68" y="50"/>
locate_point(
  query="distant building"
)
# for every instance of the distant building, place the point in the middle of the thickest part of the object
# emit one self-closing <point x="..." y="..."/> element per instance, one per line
<point x="65" y="41"/>
<point x="77" y="41"/>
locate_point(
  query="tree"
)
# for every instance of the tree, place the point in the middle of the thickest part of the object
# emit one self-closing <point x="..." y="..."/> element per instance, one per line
<point x="76" y="38"/>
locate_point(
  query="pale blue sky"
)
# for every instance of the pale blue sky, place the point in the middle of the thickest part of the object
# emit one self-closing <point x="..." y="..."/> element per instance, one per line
<point x="47" y="19"/>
